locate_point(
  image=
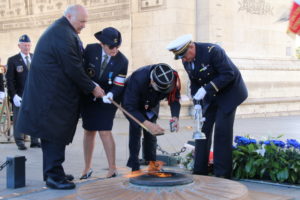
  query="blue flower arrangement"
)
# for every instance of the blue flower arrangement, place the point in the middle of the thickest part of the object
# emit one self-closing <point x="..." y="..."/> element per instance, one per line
<point x="272" y="159"/>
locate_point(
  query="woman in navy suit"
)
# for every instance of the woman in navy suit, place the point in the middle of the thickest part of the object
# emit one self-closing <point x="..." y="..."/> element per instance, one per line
<point x="107" y="67"/>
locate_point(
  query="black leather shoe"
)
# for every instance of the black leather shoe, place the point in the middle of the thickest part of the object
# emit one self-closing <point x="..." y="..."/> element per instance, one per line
<point x="87" y="175"/>
<point x="113" y="175"/>
<point x="21" y="146"/>
<point x="69" y="177"/>
<point x="60" y="185"/>
<point x="35" y="145"/>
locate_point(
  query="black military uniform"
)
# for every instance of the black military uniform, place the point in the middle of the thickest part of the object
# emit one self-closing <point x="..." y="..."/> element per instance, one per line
<point x="225" y="89"/>
<point x="97" y="115"/>
<point x="17" y="71"/>
<point x="142" y="100"/>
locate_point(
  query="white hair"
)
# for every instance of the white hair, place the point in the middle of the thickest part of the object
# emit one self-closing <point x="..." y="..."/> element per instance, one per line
<point x="72" y="10"/>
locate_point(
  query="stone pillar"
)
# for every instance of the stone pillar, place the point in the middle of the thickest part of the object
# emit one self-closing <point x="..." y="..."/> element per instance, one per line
<point x="154" y="24"/>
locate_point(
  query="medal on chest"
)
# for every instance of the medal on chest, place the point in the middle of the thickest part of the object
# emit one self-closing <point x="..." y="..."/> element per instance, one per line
<point x="110" y="74"/>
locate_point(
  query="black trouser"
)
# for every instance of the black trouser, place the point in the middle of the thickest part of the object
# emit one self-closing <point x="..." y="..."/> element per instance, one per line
<point x="149" y="145"/>
<point x="18" y="136"/>
<point x="223" y="135"/>
<point x="53" y="157"/>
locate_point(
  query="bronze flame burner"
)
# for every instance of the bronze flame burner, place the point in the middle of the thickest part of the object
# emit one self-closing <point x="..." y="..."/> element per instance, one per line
<point x="165" y="178"/>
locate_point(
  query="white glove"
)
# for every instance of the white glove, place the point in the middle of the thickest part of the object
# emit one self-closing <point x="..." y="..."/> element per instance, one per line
<point x="200" y="94"/>
<point x="108" y="95"/>
<point x="2" y="96"/>
<point x="17" y="100"/>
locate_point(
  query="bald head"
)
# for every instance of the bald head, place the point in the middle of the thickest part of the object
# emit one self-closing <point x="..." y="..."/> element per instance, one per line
<point x="77" y="15"/>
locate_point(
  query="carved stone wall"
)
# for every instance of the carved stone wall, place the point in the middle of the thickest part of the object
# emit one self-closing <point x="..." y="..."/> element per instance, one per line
<point x="33" y="16"/>
<point x="22" y="14"/>
<point x="247" y="29"/>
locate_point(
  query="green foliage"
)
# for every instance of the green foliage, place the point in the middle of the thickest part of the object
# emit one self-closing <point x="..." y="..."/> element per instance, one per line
<point x="246" y="161"/>
<point x="272" y="160"/>
<point x="188" y="161"/>
<point x="268" y="160"/>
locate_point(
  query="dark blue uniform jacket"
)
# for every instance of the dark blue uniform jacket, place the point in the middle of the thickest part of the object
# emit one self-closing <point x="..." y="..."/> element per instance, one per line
<point x="140" y="97"/>
<point x="113" y="77"/>
<point x="221" y="79"/>
<point x="16" y="75"/>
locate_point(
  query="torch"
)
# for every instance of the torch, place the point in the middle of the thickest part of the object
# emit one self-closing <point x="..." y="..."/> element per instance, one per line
<point x="198" y="121"/>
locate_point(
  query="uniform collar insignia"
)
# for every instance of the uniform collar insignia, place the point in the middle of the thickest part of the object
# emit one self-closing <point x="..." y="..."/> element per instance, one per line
<point x="210" y="48"/>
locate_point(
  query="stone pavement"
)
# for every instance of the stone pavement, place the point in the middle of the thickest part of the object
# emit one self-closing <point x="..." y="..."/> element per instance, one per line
<point x="258" y="127"/>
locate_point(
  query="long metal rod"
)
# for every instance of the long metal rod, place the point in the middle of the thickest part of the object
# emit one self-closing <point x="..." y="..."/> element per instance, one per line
<point x="129" y="115"/>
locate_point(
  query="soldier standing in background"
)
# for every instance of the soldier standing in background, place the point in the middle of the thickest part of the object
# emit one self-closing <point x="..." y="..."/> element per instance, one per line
<point x="17" y="70"/>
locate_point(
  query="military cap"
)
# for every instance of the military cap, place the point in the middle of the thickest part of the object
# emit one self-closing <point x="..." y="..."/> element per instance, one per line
<point x="109" y="36"/>
<point x="24" y="38"/>
<point x="163" y="77"/>
<point x="180" y="45"/>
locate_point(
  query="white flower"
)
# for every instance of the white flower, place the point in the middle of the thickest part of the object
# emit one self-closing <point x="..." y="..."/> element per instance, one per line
<point x="261" y="151"/>
<point x="190" y="165"/>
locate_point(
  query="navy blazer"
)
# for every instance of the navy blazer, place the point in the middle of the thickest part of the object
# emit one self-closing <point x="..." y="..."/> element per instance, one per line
<point x="221" y="79"/>
<point x="113" y="77"/>
<point x="16" y="75"/>
<point x="140" y="97"/>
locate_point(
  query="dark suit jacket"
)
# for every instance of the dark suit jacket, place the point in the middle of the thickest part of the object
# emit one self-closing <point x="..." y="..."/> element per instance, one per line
<point x="50" y="105"/>
<point x="16" y="75"/>
<point x="221" y="79"/>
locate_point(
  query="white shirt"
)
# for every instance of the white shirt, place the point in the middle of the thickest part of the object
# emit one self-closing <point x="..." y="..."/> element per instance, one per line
<point x="24" y="59"/>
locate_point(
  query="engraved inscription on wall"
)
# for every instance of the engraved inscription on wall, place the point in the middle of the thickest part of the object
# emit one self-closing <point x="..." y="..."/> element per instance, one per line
<point x="145" y="5"/>
<point x="257" y="7"/>
<point x="16" y="14"/>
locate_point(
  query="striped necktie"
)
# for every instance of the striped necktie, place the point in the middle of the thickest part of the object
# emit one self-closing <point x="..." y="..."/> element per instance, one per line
<point x="103" y="65"/>
<point x="27" y="62"/>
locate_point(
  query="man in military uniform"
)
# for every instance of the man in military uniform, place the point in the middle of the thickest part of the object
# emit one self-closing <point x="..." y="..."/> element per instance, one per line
<point x="144" y="90"/>
<point x="218" y="84"/>
<point x="17" y="71"/>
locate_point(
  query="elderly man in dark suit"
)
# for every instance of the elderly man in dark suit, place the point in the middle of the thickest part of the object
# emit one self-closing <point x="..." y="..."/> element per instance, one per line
<point x="218" y="83"/>
<point x="50" y="105"/>
<point x="17" y="70"/>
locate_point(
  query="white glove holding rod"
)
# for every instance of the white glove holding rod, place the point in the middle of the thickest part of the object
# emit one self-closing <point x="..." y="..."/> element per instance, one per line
<point x="200" y="94"/>
<point x="17" y="100"/>
<point x="106" y="98"/>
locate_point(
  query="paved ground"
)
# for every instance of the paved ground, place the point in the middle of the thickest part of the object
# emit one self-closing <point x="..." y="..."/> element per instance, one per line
<point x="34" y="190"/>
